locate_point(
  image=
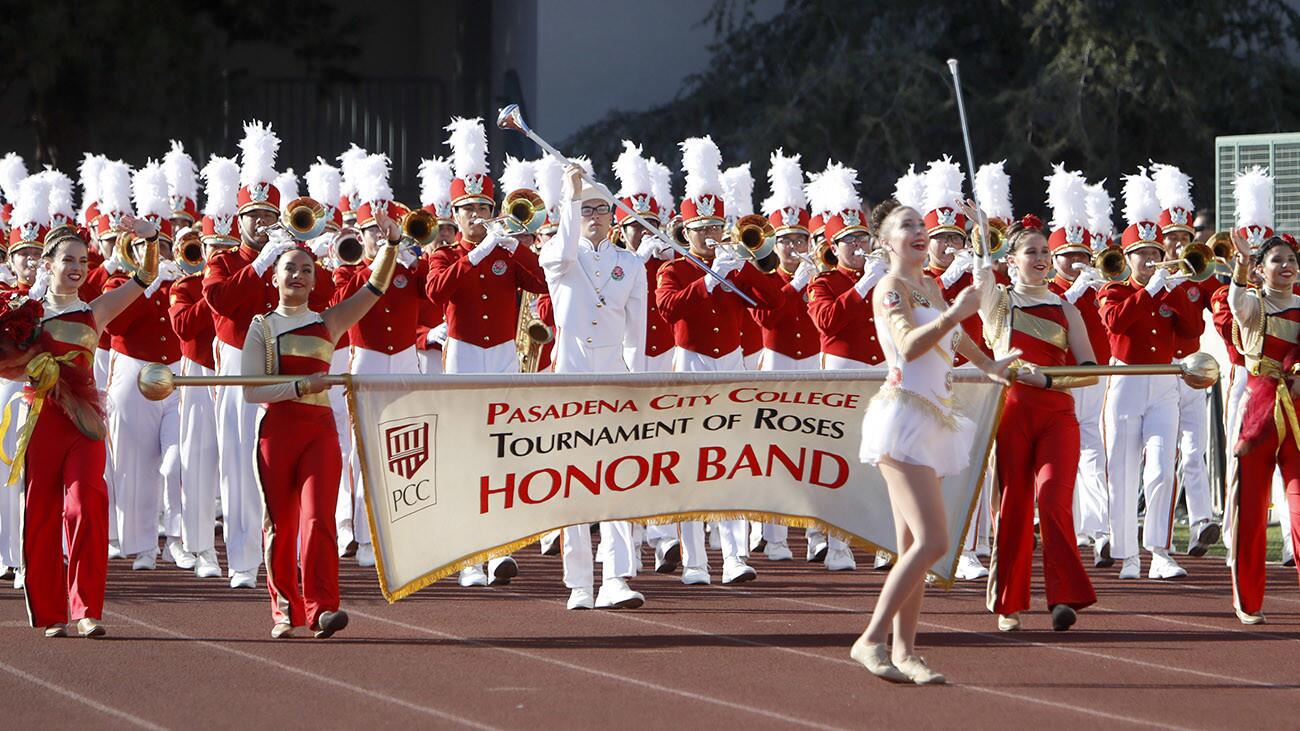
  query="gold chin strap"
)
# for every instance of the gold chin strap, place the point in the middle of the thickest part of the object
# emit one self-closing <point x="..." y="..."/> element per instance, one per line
<point x="381" y="270"/>
<point x="43" y="372"/>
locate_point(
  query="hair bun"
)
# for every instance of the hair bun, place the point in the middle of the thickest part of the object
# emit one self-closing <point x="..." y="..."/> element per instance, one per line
<point x="1031" y="221"/>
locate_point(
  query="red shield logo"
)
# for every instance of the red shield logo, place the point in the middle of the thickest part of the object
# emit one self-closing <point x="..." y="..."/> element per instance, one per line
<point x="407" y="447"/>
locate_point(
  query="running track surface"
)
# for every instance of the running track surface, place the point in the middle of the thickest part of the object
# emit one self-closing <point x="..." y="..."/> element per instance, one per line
<point x="185" y="653"/>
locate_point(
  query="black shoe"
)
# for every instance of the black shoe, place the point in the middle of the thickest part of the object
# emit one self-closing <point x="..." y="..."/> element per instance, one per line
<point x="1104" y="560"/>
<point x="672" y="559"/>
<point x="1063" y="617"/>
<point x="349" y="550"/>
<point x="330" y="622"/>
<point x="1289" y="562"/>
<point x="503" y="572"/>
<point x="1208" y="536"/>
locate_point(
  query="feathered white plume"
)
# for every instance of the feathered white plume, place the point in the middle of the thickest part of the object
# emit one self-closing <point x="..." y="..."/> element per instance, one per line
<point x="585" y="163"/>
<point x="517" y="174"/>
<point x="1099" y="210"/>
<point x="323" y="181"/>
<point x="287" y="183"/>
<point x="60" y="205"/>
<point x="909" y="190"/>
<point x="348" y="162"/>
<point x="549" y="174"/>
<point x="738" y="191"/>
<point x="31" y="202"/>
<point x="834" y="190"/>
<point x="1140" y="202"/>
<point x="435" y="181"/>
<point x="88" y="178"/>
<point x="220" y="186"/>
<point x="1067" y="198"/>
<point x="149" y="189"/>
<point x="701" y="160"/>
<point x="1252" y="192"/>
<point x="468" y="143"/>
<point x="12" y="173"/>
<point x="943" y="184"/>
<point x="632" y="172"/>
<point x="115" y="187"/>
<point x="258" y="148"/>
<point x="993" y="190"/>
<point x="785" y="179"/>
<point x="1173" y="187"/>
<point x="661" y="184"/>
<point x="372" y="181"/>
<point x="181" y="173"/>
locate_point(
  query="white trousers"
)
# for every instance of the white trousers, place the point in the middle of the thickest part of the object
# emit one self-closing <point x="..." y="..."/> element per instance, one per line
<point x="200" y="465"/>
<point x="1091" y="498"/>
<point x="1193" y="440"/>
<point x="352" y="503"/>
<point x="103" y="358"/>
<point x="1140" y="429"/>
<point x="429" y="361"/>
<point x="617" y="553"/>
<point x="1232" y="428"/>
<point x="461" y="357"/>
<point x="142" y="431"/>
<point x="241" y="501"/>
<point x="734" y="534"/>
<point x="662" y="363"/>
<point x="11" y="498"/>
<point x="349" y="479"/>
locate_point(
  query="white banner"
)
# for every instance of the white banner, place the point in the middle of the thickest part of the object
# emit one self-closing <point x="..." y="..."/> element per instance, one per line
<point x="461" y="468"/>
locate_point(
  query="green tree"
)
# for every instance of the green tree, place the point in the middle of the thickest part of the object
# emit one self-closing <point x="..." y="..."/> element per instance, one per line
<point x="1102" y="86"/>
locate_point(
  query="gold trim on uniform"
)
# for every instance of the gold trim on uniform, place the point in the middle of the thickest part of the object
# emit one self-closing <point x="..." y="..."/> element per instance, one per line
<point x="72" y="333"/>
<point x="1041" y="328"/>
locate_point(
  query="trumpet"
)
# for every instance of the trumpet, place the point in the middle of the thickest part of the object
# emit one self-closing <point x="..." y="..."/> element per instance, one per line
<point x="189" y="253"/>
<point x="525" y="212"/>
<point x="304" y="218"/>
<point x="997" y="248"/>
<point x="753" y="238"/>
<point x="822" y="257"/>
<point x="1111" y="264"/>
<point x="348" y="248"/>
<point x="419" y="226"/>
<point x="1198" y="262"/>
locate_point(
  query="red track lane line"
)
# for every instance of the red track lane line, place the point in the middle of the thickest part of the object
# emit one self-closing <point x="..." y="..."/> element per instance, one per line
<point x="774" y="715"/>
<point x="88" y="702"/>
<point x="312" y="676"/>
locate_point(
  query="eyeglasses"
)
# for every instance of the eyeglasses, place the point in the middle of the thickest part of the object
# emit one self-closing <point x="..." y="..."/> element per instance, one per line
<point x="856" y="238"/>
<point x="601" y="210"/>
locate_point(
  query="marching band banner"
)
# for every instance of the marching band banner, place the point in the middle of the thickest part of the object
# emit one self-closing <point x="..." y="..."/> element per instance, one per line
<point x="458" y="469"/>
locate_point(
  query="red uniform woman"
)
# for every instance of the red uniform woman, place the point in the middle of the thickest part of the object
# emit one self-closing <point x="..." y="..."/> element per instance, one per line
<point x="64" y="449"/>
<point x="298" y="458"/>
<point x="1267" y="322"/>
<point x="1038" y="440"/>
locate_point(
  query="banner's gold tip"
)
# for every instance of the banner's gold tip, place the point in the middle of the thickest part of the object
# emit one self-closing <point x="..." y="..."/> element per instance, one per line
<point x="156" y="381"/>
<point x="1200" y="370"/>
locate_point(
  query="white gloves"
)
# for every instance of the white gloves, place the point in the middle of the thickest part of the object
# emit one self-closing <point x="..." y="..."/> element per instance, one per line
<point x="320" y="247"/>
<point x="873" y="272"/>
<point x="509" y="243"/>
<point x="41" y="285"/>
<point x="1157" y="281"/>
<point x="1173" y="280"/>
<point x="277" y="242"/>
<point x="485" y="247"/>
<point x="724" y="264"/>
<point x="438" y="335"/>
<point x="1087" y="279"/>
<point x="406" y="257"/>
<point x="7" y="276"/>
<point x="113" y="264"/>
<point x="961" y="263"/>
<point x="650" y="246"/>
<point x="167" y="272"/>
<point x="802" y="276"/>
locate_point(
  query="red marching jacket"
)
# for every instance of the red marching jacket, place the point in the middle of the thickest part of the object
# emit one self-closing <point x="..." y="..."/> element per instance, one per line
<point x="1142" y="328"/>
<point x="237" y="294"/>
<point x="192" y="320"/>
<point x="1098" y="336"/>
<point x="480" y="302"/>
<point x="705" y="322"/>
<point x="392" y="324"/>
<point x="144" y="329"/>
<point x="788" y="329"/>
<point x="658" y="333"/>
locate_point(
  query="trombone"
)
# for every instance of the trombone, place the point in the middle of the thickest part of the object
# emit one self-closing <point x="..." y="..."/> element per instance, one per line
<point x="1111" y="263"/>
<point x="510" y="117"/>
<point x="347" y="247"/>
<point x="1198" y="262"/>
<point x="419" y="226"/>
<point x="753" y="238"/>
<point x="997" y="248"/>
<point x="189" y="253"/>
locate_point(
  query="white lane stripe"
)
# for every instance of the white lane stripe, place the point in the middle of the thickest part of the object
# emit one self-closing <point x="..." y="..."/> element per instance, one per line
<point x="74" y="695"/>
<point x="600" y="673"/>
<point x="313" y="676"/>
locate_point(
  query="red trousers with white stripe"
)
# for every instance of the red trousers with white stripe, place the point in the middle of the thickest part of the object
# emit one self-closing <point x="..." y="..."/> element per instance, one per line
<point x="1038" y="457"/>
<point x="1250" y="499"/>
<point x="299" y="464"/>
<point x="66" y="492"/>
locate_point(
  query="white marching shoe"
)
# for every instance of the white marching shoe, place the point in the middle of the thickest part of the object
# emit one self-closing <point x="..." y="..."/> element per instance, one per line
<point x="365" y="555"/>
<point x="243" y="579"/>
<point x="668" y="555"/>
<point x="346" y="536"/>
<point x="816" y="548"/>
<point x="581" y="598"/>
<point x="616" y="594"/>
<point x="473" y="576"/>
<point x="145" y="560"/>
<point x="1163" y="566"/>
<point x="550" y="545"/>
<point x="883" y="561"/>
<point x="1101" y="557"/>
<point x="205" y="564"/>
<point x="777" y="551"/>
<point x="502" y="570"/>
<point x="696" y="576"/>
<point x="736" y="571"/>
<point x="1131" y="568"/>
<point x="175" y="553"/>
<point x="114" y="550"/>
<point x="969" y="567"/>
<point x="20" y="578"/>
<point x="840" y="559"/>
